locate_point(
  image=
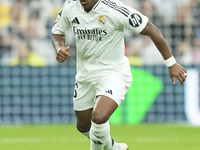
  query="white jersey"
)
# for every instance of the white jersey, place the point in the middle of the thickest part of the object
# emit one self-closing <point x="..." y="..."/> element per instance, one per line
<point x="99" y="36"/>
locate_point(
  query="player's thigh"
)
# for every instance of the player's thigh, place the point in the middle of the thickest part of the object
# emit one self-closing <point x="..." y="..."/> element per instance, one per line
<point x="110" y="91"/>
<point x="104" y="107"/>
<point x="84" y="120"/>
<point x="84" y="95"/>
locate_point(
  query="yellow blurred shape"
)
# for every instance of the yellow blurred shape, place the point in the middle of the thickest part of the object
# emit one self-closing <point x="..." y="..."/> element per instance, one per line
<point x="5" y="16"/>
<point x="32" y="59"/>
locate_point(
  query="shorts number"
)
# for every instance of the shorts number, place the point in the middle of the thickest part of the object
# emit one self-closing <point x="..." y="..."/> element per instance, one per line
<point x="75" y="91"/>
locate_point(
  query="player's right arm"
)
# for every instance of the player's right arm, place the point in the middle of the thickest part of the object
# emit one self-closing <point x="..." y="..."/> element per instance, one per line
<point x="59" y="29"/>
<point x="138" y="23"/>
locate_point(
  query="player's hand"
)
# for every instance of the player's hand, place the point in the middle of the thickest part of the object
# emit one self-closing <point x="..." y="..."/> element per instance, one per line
<point x="177" y="71"/>
<point x="62" y="54"/>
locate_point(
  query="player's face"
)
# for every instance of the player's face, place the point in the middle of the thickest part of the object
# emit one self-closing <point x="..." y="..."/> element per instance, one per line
<point x="88" y="4"/>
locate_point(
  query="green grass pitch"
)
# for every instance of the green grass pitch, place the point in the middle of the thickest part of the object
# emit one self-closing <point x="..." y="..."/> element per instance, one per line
<point x="66" y="137"/>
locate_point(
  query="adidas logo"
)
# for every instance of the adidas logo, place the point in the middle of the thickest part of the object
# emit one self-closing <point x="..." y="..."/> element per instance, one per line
<point x="99" y="137"/>
<point x="75" y="21"/>
<point x="109" y="91"/>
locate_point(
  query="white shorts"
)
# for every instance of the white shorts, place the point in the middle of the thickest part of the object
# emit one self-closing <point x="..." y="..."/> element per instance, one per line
<point x="85" y="93"/>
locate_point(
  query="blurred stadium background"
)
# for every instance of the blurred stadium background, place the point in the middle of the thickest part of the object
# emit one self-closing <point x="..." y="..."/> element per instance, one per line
<point x="36" y="89"/>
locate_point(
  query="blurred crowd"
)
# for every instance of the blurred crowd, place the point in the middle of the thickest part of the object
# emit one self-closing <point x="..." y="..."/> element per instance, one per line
<point x="25" y="32"/>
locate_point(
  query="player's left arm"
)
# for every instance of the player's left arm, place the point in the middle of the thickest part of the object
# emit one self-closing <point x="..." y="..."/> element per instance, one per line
<point x="175" y="70"/>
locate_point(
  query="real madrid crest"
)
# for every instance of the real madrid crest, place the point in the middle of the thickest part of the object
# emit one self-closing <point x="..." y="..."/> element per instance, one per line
<point x="102" y="20"/>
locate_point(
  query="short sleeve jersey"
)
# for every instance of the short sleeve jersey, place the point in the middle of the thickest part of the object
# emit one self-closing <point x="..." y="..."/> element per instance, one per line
<point x="99" y="35"/>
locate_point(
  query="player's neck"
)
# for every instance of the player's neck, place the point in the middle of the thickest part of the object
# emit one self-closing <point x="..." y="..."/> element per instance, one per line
<point x="90" y="5"/>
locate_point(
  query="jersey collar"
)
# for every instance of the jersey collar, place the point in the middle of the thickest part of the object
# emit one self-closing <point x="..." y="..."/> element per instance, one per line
<point x="97" y="4"/>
